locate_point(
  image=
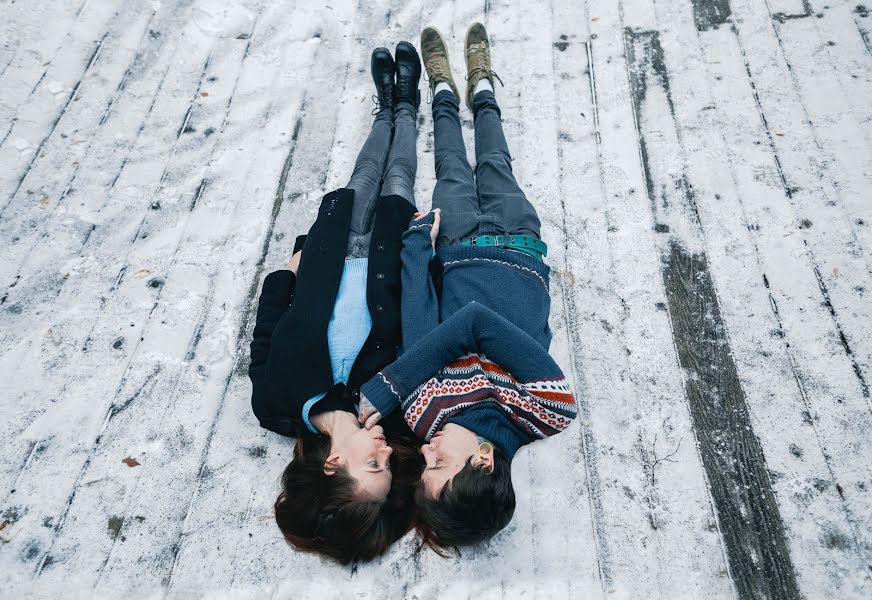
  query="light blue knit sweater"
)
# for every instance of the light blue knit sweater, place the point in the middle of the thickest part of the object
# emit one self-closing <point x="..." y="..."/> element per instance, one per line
<point x="349" y="327"/>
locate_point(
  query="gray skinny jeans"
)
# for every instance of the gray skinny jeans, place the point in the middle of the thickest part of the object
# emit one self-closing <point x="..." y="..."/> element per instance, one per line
<point x="383" y="168"/>
<point x="491" y="203"/>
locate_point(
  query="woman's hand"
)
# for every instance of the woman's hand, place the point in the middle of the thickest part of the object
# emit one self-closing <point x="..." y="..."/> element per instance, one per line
<point x="434" y="231"/>
<point x="294" y="263"/>
<point x="368" y="415"/>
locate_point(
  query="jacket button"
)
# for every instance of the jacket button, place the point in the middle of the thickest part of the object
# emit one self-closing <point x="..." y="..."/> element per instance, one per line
<point x="379" y="275"/>
<point x="379" y="307"/>
<point x="380" y="247"/>
<point x="378" y="345"/>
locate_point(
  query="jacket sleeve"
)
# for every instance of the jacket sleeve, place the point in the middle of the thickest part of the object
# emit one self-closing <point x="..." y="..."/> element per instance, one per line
<point x="473" y="329"/>
<point x="276" y="297"/>
<point x="420" y="304"/>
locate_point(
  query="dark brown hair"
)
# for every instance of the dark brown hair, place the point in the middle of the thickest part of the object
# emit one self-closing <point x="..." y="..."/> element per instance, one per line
<point x="322" y="514"/>
<point x="470" y="509"/>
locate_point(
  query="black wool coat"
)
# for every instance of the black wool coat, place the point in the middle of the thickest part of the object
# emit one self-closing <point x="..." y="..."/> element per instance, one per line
<point x="290" y="359"/>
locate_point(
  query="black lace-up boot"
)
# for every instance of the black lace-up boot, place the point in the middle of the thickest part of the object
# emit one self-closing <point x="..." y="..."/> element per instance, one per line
<point x="383" y="74"/>
<point x="408" y="75"/>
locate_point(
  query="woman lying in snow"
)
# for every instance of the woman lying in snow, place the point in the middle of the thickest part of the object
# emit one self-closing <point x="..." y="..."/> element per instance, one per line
<point x="474" y="378"/>
<point x="326" y="325"/>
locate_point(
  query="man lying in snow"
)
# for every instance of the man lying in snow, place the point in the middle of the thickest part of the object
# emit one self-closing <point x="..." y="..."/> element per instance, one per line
<point x="474" y="378"/>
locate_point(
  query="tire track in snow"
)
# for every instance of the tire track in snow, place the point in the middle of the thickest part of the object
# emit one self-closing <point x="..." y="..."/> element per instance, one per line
<point x="750" y="521"/>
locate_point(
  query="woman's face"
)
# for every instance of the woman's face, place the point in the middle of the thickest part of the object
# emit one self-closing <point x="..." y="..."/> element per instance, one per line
<point x="445" y="456"/>
<point x="364" y="455"/>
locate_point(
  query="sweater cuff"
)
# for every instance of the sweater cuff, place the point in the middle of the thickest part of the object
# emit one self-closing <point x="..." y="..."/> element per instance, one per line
<point x="381" y="394"/>
<point x="419" y="229"/>
<point x="427" y="219"/>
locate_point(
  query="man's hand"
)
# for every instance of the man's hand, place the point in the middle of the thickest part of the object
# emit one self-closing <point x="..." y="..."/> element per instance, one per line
<point x="434" y="231"/>
<point x="294" y="263"/>
<point x="368" y="415"/>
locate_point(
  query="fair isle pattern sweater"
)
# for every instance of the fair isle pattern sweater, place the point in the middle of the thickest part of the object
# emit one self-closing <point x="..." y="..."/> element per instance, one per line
<point x="537" y="409"/>
<point x="465" y="355"/>
<point x="476" y="357"/>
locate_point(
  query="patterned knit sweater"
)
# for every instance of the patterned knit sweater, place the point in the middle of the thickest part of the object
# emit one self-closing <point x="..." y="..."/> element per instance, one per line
<point x="473" y="366"/>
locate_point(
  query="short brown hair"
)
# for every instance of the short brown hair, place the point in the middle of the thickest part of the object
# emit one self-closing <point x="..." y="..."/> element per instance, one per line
<point x="322" y="514"/>
<point x="471" y="508"/>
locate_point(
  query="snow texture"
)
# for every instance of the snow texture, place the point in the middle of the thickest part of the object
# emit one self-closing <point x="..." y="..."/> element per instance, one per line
<point x="703" y="169"/>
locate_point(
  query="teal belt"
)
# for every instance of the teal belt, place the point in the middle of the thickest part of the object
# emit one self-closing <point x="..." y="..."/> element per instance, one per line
<point x="524" y="243"/>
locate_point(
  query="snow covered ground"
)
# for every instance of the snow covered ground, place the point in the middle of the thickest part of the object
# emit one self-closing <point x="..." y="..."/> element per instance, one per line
<point x="704" y="173"/>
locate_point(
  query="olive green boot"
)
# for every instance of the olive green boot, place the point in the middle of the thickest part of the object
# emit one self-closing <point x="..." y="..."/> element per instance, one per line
<point x="434" y="53"/>
<point x="478" y="60"/>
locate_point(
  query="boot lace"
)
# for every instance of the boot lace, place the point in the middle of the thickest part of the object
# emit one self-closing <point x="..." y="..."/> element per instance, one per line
<point x="436" y="69"/>
<point x="404" y="88"/>
<point x="429" y="89"/>
<point x="384" y="91"/>
<point x="435" y="72"/>
<point x="482" y="66"/>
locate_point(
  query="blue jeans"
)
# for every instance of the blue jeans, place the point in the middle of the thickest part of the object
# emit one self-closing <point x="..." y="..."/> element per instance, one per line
<point x="490" y="203"/>
<point x="383" y="168"/>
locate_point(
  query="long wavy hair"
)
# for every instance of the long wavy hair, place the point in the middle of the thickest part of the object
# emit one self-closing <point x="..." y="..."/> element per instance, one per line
<point x="323" y="514"/>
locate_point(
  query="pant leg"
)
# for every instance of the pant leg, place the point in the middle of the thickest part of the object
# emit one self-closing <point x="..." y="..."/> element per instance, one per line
<point x="366" y="180"/>
<point x="399" y="176"/>
<point x="503" y="204"/>
<point x="455" y="188"/>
